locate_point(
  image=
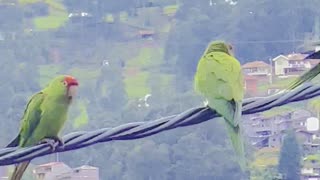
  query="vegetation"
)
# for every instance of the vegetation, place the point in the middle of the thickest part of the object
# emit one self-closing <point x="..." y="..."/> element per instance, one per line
<point x="116" y="68"/>
<point x="290" y="157"/>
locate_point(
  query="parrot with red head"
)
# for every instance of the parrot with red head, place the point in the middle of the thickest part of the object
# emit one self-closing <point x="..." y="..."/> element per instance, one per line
<point x="44" y="117"/>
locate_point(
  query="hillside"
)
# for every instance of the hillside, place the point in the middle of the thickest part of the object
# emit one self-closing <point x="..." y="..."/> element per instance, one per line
<point x="135" y="61"/>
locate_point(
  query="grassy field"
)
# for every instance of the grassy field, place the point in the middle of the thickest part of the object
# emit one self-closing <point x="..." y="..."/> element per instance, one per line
<point x="57" y="17"/>
<point x="136" y="80"/>
<point x="50" y="22"/>
<point x="266" y="157"/>
<point x="49" y="71"/>
<point x="84" y="73"/>
<point x="170" y="9"/>
<point x="147" y="57"/>
<point x="136" y="86"/>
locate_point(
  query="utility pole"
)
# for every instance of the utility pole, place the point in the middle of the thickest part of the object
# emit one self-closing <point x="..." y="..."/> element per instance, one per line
<point x="316" y="33"/>
<point x="271" y="71"/>
<point x="57" y="157"/>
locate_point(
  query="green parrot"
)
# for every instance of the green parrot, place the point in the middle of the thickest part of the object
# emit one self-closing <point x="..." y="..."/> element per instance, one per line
<point x="44" y="117"/>
<point x="219" y="79"/>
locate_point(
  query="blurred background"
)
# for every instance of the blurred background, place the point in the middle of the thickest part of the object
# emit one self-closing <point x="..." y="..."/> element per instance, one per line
<point x="135" y="60"/>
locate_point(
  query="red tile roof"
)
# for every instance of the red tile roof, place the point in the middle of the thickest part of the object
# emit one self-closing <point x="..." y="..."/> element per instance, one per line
<point x="296" y="56"/>
<point x="254" y="64"/>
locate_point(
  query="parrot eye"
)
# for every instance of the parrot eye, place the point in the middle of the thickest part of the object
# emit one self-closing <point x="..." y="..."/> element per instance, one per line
<point x="65" y="83"/>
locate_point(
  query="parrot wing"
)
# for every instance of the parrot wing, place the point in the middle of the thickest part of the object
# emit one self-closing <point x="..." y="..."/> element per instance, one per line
<point x="30" y="120"/>
<point x="219" y="79"/>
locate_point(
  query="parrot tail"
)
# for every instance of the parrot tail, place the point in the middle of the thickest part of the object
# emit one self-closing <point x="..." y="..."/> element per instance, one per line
<point x="19" y="170"/>
<point x="235" y="136"/>
<point x="231" y="112"/>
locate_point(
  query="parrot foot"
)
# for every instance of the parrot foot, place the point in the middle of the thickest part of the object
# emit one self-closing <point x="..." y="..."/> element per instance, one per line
<point x="57" y="139"/>
<point x="54" y="142"/>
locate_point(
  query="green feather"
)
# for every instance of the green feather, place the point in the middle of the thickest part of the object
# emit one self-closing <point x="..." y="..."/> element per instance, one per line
<point x="44" y="116"/>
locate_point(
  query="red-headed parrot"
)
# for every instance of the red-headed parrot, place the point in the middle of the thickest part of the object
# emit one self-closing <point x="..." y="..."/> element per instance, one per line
<point x="44" y="116"/>
<point x="219" y="79"/>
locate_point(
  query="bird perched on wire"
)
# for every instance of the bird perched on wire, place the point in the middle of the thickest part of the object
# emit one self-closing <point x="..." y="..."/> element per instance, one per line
<point x="44" y="117"/>
<point x="219" y="79"/>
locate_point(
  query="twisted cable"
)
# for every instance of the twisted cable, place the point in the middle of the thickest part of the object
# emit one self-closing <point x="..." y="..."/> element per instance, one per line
<point x="136" y="130"/>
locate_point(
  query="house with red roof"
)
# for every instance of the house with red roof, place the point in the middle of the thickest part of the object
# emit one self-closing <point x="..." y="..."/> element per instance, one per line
<point x="256" y="68"/>
<point x="292" y="64"/>
<point x="255" y="72"/>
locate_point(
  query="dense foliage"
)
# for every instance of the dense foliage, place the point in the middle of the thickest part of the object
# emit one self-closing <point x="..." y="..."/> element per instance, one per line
<point x="290" y="158"/>
<point x="117" y="69"/>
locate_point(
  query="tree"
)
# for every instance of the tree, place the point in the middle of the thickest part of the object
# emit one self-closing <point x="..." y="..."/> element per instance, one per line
<point x="315" y="106"/>
<point x="290" y="156"/>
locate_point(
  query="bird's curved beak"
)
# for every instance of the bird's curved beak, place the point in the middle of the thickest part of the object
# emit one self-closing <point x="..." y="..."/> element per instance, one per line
<point x="71" y="81"/>
<point x="72" y="85"/>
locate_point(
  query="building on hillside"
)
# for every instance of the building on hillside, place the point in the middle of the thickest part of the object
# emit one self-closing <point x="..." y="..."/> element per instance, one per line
<point x="310" y="169"/>
<point x="268" y="130"/>
<point x="257" y="68"/>
<point x="250" y="85"/>
<point x="5" y="4"/>
<point x="313" y="62"/>
<point x="146" y="34"/>
<point x="61" y="171"/>
<point x="3" y="172"/>
<point x="50" y="171"/>
<point x="86" y="172"/>
<point x="310" y="173"/>
<point x="292" y="64"/>
<point x="255" y="74"/>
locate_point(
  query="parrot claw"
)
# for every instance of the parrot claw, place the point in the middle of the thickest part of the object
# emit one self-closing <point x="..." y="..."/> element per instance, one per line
<point x="54" y="142"/>
<point x="59" y="140"/>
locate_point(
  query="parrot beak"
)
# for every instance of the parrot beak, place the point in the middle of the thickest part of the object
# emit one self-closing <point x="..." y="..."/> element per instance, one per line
<point x="71" y="81"/>
<point x="231" y="50"/>
<point x="72" y="85"/>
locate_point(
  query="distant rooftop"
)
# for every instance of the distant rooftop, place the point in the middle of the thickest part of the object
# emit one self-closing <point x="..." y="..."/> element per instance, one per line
<point x="296" y="56"/>
<point x="254" y="64"/>
<point x="51" y="164"/>
<point x="292" y="57"/>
